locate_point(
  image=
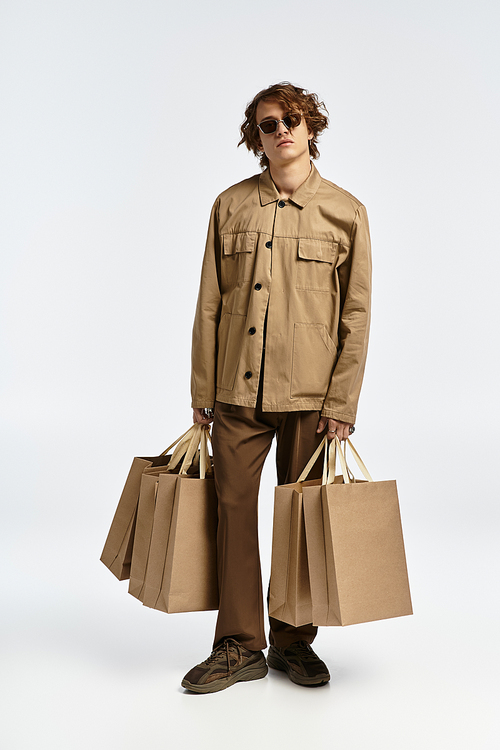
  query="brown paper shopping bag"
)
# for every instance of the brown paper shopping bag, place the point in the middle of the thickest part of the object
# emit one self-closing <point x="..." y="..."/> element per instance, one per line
<point x="364" y="556"/>
<point x="183" y="460"/>
<point x="155" y="564"/>
<point x="181" y="574"/>
<point x="117" y="552"/>
<point x="289" y="593"/>
<point x="289" y="589"/>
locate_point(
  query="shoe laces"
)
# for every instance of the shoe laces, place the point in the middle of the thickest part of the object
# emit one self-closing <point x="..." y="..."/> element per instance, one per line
<point x="304" y="651"/>
<point x="226" y="648"/>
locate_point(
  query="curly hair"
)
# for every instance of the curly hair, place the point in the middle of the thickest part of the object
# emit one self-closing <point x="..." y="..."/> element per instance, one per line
<point x="294" y="99"/>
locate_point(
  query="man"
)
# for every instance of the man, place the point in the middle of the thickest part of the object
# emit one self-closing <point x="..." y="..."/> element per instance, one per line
<point x="279" y="347"/>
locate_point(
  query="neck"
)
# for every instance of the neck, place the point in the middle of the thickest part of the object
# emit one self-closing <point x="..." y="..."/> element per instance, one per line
<point x="288" y="177"/>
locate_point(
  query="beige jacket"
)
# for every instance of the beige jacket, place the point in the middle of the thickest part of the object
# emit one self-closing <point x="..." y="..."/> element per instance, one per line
<point x="306" y="263"/>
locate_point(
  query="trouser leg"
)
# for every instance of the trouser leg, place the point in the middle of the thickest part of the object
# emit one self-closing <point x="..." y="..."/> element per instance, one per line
<point x="241" y="443"/>
<point x="297" y="441"/>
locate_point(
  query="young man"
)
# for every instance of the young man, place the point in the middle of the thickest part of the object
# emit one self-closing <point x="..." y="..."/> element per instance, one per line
<point x="279" y="347"/>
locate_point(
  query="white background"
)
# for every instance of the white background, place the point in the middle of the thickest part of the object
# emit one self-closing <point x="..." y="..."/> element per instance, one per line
<point x="119" y="128"/>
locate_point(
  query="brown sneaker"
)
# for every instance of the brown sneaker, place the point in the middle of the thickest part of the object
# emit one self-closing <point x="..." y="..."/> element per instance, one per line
<point x="228" y="663"/>
<point x="301" y="664"/>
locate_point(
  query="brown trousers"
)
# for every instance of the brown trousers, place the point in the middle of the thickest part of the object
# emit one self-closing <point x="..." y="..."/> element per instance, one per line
<point x="242" y="437"/>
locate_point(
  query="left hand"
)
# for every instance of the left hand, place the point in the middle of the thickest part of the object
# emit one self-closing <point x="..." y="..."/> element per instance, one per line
<point x="335" y="427"/>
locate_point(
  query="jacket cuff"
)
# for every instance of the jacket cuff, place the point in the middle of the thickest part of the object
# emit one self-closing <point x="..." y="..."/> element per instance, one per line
<point x="341" y="417"/>
<point x="205" y="404"/>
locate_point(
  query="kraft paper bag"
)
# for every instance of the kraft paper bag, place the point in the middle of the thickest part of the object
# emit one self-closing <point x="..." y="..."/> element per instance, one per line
<point x="185" y="459"/>
<point x="174" y="557"/>
<point x="289" y="588"/>
<point x="190" y="574"/>
<point x="364" y="556"/>
<point x="143" y="530"/>
<point x="117" y="552"/>
<point x="289" y="593"/>
<point x="316" y="554"/>
<point x="164" y="506"/>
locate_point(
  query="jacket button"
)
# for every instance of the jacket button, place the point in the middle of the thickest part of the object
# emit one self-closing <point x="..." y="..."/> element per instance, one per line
<point x="269" y="244"/>
<point x="258" y="287"/>
<point x="251" y="331"/>
<point x="248" y="375"/>
<point x="281" y="204"/>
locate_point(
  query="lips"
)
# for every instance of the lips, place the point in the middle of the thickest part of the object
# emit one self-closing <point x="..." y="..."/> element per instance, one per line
<point x="282" y="143"/>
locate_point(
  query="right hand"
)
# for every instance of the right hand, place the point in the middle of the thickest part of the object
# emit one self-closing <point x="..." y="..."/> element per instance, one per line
<point x="200" y="417"/>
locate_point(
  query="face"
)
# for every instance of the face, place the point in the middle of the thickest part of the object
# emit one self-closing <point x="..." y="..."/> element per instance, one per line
<point x="283" y="146"/>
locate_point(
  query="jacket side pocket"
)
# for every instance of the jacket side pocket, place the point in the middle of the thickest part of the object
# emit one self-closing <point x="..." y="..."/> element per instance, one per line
<point x="229" y="342"/>
<point x="313" y="359"/>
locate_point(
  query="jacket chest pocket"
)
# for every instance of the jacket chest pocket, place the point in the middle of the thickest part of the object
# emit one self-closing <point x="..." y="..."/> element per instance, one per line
<point x="315" y="264"/>
<point x="238" y="252"/>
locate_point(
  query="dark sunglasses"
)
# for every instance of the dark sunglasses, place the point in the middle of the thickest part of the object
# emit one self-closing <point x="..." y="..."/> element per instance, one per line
<point x="270" y="126"/>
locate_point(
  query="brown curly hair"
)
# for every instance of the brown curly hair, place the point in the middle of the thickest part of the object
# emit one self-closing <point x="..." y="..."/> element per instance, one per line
<point x="294" y="99"/>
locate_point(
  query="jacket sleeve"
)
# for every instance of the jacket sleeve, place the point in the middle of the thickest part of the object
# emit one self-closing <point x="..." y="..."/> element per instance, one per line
<point x="341" y="400"/>
<point x="206" y="322"/>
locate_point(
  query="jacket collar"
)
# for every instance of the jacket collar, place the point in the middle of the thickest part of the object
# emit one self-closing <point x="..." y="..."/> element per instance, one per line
<point x="301" y="197"/>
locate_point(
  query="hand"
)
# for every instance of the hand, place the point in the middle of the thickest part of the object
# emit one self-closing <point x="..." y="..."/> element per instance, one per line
<point x="200" y="417"/>
<point x="335" y="427"/>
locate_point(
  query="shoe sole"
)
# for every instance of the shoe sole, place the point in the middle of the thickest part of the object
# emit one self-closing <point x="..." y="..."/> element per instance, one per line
<point x="276" y="661"/>
<point x="245" y="674"/>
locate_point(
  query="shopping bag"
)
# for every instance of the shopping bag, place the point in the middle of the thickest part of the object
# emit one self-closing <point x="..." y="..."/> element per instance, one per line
<point x="181" y="574"/>
<point x="289" y="588"/>
<point x="183" y="460"/>
<point x="315" y="545"/>
<point x="161" y="521"/>
<point x="117" y="552"/>
<point x="364" y="555"/>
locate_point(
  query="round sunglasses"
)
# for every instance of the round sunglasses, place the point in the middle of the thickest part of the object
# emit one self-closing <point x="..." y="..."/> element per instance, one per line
<point x="270" y="126"/>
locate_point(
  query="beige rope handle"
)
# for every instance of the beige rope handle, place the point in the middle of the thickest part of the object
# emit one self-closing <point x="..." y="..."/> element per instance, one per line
<point x="331" y="451"/>
<point x="209" y="463"/>
<point x="181" y="447"/>
<point x="359" y="461"/>
<point x="351" y="475"/>
<point x="324" y="479"/>
<point x="312" y="460"/>
<point x="176" y="441"/>
<point x="205" y="465"/>
<point x="192" y="448"/>
<point x="342" y="461"/>
<point x="332" y="462"/>
<point x="203" y="454"/>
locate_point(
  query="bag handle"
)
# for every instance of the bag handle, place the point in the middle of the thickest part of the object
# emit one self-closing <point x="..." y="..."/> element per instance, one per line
<point x="360" y="463"/>
<point x="164" y="453"/>
<point x="186" y="445"/>
<point x="334" y="448"/>
<point x="198" y="448"/>
<point x="329" y="461"/>
<point x="205" y="465"/>
<point x="312" y="461"/>
<point x="192" y="448"/>
<point x="346" y="472"/>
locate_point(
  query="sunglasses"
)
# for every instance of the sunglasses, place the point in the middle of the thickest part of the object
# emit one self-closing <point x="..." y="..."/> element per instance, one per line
<point x="270" y="126"/>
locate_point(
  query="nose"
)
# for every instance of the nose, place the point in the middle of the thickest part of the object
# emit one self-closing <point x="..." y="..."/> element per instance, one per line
<point x="281" y="129"/>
